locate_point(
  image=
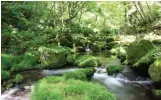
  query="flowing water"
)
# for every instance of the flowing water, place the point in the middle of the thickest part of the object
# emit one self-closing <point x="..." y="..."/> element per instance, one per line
<point x="125" y="88"/>
<point x="126" y="84"/>
<point x="23" y="91"/>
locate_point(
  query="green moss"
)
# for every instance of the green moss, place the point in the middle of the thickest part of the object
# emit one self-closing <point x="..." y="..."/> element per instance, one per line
<point x="53" y="57"/>
<point x="155" y="70"/>
<point x="75" y="75"/>
<point x="137" y="49"/>
<point x="5" y="74"/>
<point x="82" y="74"/>
<point x="157" y="92"/>
<point x="57" y="88"/>
<point x="70" y="59"/>
<point x="87" y="71"/>
<point x="23" y="62"/>
<point x="149" y="58"/>
<point x="87" y="61"/>
<point x="18" y="78"/>
<point x="112" y="69"/>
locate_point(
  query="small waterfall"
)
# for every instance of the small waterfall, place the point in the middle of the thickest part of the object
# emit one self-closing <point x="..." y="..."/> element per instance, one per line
<point x="122" y="85"/>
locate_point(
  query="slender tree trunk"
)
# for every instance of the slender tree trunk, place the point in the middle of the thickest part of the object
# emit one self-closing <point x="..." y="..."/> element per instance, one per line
<point x="138" y="11"/>
<point x="144" y="15"/>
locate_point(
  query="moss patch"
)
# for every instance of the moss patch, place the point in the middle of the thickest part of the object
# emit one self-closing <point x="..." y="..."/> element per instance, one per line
<point x="57" y="88"/>
<point x="112" y="69"/>
<point x="87" y="61"/>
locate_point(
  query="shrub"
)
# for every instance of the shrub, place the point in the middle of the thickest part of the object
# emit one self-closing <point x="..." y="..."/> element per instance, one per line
<point x="23" y="62"/>
<point x="18" y="78"/>
<point x="87" y="61"/>
<point x="112" y="69"/>
<point x="57" y="88"/>
<point x="5" y="74"/>
<point x="6" y="61"/>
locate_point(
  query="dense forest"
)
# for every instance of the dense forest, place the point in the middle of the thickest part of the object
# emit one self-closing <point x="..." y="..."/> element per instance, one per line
<point x="80" y="50"/>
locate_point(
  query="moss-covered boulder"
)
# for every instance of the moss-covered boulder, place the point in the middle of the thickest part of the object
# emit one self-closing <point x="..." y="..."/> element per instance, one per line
<point x="113" y="69"/>
<point x="137" y="49"/>
<point x="87" y="61"/>
<point x="53" y="57"/>
<point x="57" y="88"/>
<point x="149" y="58"/>
<point x="155" y="70"/>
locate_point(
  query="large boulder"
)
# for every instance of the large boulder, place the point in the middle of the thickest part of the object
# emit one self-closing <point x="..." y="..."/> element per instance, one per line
<point x="155" y="70"/>
<point x="137" y="49"/>
<point x="87" y="61"/>
<point x="53" y="57"/>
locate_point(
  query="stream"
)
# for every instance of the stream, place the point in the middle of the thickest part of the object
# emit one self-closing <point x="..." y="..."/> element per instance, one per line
<point x="126" y="84"/>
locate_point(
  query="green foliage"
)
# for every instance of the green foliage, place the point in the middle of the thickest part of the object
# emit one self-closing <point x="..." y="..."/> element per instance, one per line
<point x="18" y="78"/>
<point x="71" y="58"/>
<point x="109" y="39"/>
<point x="75" y="75"/>
<point x="5" y="74"/>
<point x="112" y="69"/>
<point x="6" y="61"/>
<point x="155" y="70"/>
<point x="137" y="49"/>
<point x="54" y="57"/>
<point x="57" y="88"/>
<point x="110" y="45"/>
<point x="24" y="62"/>
<point x="157" y="42"/>
<point x="87" y="61"/>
